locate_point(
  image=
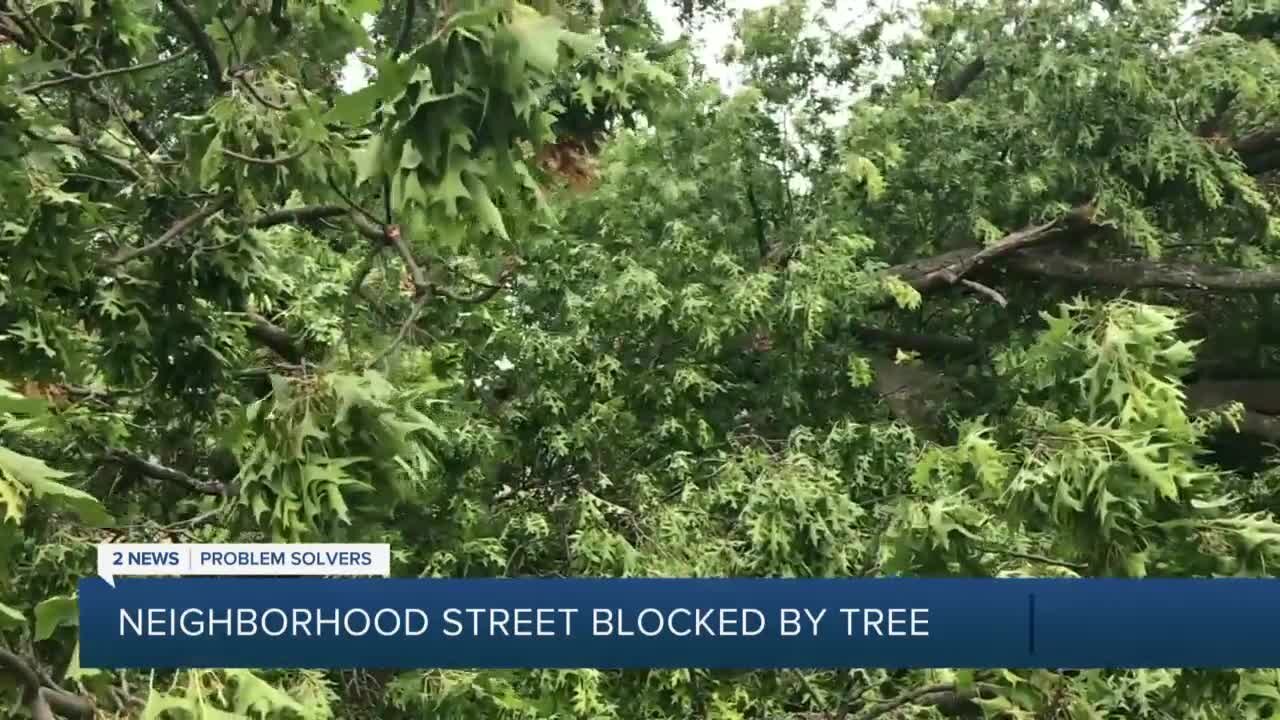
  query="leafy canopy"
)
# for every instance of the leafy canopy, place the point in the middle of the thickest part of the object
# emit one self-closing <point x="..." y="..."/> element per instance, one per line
<point x="977" y="288"/>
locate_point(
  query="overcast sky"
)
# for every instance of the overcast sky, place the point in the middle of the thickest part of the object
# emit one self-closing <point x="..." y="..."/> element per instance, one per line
<point x="712" y="36"/>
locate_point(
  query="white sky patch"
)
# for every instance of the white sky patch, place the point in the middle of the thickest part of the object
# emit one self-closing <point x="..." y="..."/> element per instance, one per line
<point x="711" y="37"/>
<point x="355" y="73"/>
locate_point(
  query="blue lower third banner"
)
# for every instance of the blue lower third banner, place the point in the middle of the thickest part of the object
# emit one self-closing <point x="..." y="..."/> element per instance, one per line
<point x="664" y="623"/>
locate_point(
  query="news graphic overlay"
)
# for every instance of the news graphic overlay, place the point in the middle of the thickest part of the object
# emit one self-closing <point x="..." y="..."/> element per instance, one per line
<point x="120" y="559"/>
<point x="309" y="622"/>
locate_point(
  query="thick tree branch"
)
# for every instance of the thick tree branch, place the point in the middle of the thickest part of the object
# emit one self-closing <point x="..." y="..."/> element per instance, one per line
<point x="420" y="284"/>
<point x="1258" y="150"/>
<point x="406" y="29"/>
<point x="946" y="92"/>
<point x="180" y="228"/>
<point x="280" y="17"/>
<point x="946" y="269"/>
<point x="303" y="214"/>
<point x="757" y="216"/>
<point x="1260" y="398"/>
<point x="929" y="344"/>
<point x="308" y="213"/>
<point x="44" y="702"/>
<point x="203" y="43"/>
<point x="1222" y="103"/>
<point x="274" y="337"/>
<point x="1145" y="274"/>
<point x="948" y="695"/>
<point x="77" y="77"/>
<point x="160" y="472"/>
<point x="990" y="293"/>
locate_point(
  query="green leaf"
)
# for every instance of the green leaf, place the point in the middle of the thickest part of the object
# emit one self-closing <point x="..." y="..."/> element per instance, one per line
<point x="475" y="18"/>
<point x="54" y="613"/>
<point x="355" y="108"/>
<point x="368" y="159"/>
<point x="211" y="163"/>
<point x="410" y="158"/>
<point x="538" y="36"/>
<point x="41" y="479"/>
<point x="450" y="190"/>
<point x="19" y="405"/>
<point x="158" y="704"/>
<point x="486" y="211"/>
<point x="255" y="695"/>
<point x="11" y="617"/>
<point x="75" y="671"/>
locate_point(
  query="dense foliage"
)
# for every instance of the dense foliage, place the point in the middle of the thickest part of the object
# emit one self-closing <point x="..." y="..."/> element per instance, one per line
<point x="981" y="288"/>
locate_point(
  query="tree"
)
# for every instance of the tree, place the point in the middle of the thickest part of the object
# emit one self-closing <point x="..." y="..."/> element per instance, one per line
<point x="991" y="297"/>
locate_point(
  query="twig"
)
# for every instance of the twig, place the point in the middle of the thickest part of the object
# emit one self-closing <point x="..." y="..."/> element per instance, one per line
<point x="891" y="705"/>
<point x="204" y="45"/>
<point x="78" y="142"/>
<point x="1031" y="557"/>
<point x="983" y="289"/>
<point x="244" y="82"/>
<point x="278" y="160"/>
<point x="137" y="138"/>
<point x="352" y="204"/>
<point x="78" y="77"/>
<point x="357" y="282"/>
<point x="404" y="329"/>
<point x="481" y="296"/>
<point x="179" y="229"/>
<point x="40" y="33"/>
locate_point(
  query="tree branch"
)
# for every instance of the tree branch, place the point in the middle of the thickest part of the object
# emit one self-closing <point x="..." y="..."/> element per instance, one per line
<point x="253" y="91"/>
<point x="203" y="43"/>
<point x="1258" y="150"/>
<point x="990" y="293"/>
<point x="1145" y="274"/>
<point x="280" y="18"/>
<point x="308" y="213"/>
<point x="933" y="344"/>
<point x="180" y="228"/>
<point x="274" y="337"/>
<point x="160" y="472"/>
<point x="1032" y="557"/>
<point x="77" y="77"/>
<point x="85" y="145"/>
<point x="961" y="82"/>
<point x="486" y="293"/>
<point x="946" y="269"/>
<point x="278" y="160"/>
<point x="890" y="705"/>
<point x="406" y="27"/>
<point x="144" y="138"/>
<point x="44" y="702"/>
<point x="1260" y="398"/>
<point x="404" y="330"/>
<point x="420" y="284"/>
<point x="305" y="213"/>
